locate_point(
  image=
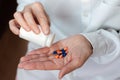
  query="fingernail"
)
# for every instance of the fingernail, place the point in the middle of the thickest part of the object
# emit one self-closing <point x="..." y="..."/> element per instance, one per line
<point x="28" y="29"/>
<point x="37" y="31"/>
<point x="46" y="32"/>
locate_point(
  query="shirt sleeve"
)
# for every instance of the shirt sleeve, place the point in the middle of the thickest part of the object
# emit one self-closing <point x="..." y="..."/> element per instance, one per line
<point x="22" y="3"/>
<point x="113" y="2"/>
<point x="102" y="13"/>
<point x="106" y="45"/>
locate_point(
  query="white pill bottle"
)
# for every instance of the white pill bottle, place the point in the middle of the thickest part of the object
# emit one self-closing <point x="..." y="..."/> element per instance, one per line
<point x="39" y="39"/>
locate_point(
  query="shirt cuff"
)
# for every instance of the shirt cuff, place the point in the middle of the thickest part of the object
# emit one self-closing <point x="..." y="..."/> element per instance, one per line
<point x="105" y="46"/>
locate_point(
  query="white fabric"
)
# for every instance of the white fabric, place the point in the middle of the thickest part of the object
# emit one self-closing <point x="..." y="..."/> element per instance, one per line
<point x="69" y="17"/>
<point x="113" y="2"/>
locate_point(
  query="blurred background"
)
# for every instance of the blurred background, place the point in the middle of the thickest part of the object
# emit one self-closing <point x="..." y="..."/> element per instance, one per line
<point x="11" y="46"/>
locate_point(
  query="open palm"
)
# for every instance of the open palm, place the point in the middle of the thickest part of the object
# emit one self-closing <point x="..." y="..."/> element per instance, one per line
<point x="79" y="50"/>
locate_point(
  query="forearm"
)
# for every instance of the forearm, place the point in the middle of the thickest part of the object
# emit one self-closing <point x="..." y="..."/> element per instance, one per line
<point x="106" y="44"/>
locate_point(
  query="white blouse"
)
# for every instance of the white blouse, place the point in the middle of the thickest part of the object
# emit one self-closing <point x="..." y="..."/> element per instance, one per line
<point x="98" y="21"/>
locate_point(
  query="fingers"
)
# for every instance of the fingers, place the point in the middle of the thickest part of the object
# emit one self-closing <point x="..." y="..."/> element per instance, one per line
<point x="31" y="16"/>
<point x="28" y="57"/>
<point x="30" y="20"/>
<point x="38" y="65"/>
<point x="34" y="58"/>
<point x="42" y="17"/>
<point x="72" y="65"/>
<point x="44" y="50"/>
<point x="35" y="54"/>
<point x="14" y="27"/>
<point x="20" y="19"/>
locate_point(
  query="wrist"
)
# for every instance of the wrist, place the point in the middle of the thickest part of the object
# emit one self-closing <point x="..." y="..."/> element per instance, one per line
<point x="87" y="44"/>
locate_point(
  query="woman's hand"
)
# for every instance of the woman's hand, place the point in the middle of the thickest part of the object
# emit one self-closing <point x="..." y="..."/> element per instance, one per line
<point x="79" y="50"/>
<point x="32" y="15"/>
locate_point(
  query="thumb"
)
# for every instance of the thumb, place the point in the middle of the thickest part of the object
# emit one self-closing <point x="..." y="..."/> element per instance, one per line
<point x="72" y="65"/>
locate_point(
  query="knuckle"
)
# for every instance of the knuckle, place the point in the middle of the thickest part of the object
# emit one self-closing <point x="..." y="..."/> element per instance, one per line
<point x="11" y="28"/>
<point x="27" y="6"/>
<point x="10" y="21"/>
<point x="37" y="4"/>
<point x="26" y="13"/>
<point x="16" y="14"/>
<point x="32" y="24"/>
<point x="44" y="20"/>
